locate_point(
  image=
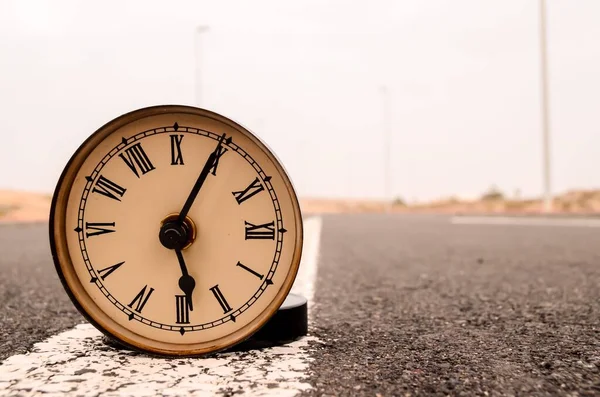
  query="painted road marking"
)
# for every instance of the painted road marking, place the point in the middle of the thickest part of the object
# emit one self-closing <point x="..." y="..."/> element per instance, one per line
<point x="77" y="362"/>
<point x="525" y="221"/>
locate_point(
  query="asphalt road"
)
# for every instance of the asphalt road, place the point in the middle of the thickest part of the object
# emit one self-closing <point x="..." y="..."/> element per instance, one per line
<point x="33" y="302"/>
<point x="403" y="305"/>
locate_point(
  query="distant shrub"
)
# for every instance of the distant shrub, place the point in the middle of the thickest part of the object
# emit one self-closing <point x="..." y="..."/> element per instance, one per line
<point x="492" y="194"/>
<point x="398" y="201"/>
<point x="6" y="209"/>
<point x="515" y="205"/>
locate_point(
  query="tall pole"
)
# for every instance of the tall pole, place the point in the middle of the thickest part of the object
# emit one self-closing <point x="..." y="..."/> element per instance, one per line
<point x="387" y="138"/>
<point x="545" y="119"/>
<point x="197" y="50"/>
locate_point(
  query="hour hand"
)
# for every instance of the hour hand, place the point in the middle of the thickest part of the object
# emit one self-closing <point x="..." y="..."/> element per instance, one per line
<point x="186" y="282"/>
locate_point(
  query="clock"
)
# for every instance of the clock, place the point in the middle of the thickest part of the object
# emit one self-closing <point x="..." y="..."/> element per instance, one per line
<point x="175" y="231"/>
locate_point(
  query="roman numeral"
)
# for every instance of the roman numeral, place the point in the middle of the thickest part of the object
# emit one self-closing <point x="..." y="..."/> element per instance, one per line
<point x="140" y="299"/>
<point x="183" y="309"/>
<point x="220" y="298"/>
<point x="108" y="188"/>
<point x="254" y="188"/>
<point x="265" y="231"/>
<point x="176" y="157"/>
<point x="221" y="152"/>
<point x="137" y="160"/>
<point x="99" y="228"/>
<point x="250" y="270"/>
<point x="108" y="270"/>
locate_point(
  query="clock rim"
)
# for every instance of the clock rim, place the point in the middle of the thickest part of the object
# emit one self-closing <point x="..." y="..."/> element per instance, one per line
<point x="86" y="305"/>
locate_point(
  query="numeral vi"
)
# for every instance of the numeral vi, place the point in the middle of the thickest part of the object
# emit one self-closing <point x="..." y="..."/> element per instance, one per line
<point x="182" y="309"/>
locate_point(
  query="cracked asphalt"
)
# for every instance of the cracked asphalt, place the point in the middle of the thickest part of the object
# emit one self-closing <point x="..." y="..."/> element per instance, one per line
<point x="404" y="305"/>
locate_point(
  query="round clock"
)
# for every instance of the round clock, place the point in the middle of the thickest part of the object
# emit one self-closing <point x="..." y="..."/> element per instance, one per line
<point x="175" y="231"/>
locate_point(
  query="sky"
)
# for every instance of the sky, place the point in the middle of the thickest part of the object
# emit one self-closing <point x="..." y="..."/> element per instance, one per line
<point x="463" y="79"/>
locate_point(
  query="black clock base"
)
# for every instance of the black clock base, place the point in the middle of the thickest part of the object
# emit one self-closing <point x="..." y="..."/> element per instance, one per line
<point x="290" y="322"/>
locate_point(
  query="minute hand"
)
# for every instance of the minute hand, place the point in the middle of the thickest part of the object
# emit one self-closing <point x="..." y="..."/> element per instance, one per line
<point x="200" y="181"/>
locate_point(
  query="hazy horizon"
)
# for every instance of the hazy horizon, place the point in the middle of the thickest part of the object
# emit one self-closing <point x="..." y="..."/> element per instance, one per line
<point x="306" y="77"/>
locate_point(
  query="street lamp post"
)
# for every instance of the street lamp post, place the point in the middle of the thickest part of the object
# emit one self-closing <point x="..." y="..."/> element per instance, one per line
<point x="197" y="43"/>
<point x="387" y="137"/>
<point x="545" y="119"/>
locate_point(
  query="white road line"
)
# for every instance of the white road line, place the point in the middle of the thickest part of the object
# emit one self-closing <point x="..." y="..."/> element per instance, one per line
<point x="525" y="221"/>
<point x="305" y="279"/>
<point x="77" y="362"/>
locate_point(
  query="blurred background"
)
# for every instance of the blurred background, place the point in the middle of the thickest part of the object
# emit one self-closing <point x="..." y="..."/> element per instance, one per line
<point x="425" y="104"/>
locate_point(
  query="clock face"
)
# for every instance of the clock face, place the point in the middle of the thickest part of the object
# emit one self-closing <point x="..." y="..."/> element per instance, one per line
<point x="176" y="231"/>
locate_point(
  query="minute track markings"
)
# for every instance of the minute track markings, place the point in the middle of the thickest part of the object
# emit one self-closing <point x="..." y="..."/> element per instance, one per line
<point x="231" y="316"/>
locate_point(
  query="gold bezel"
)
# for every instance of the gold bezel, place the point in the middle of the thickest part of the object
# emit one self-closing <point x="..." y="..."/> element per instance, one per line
<point x="72" y="284"/>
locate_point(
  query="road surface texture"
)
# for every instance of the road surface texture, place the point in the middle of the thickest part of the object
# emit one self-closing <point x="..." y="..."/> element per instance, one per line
<point x="403" y="305"/>
<point x="33" y="302"/>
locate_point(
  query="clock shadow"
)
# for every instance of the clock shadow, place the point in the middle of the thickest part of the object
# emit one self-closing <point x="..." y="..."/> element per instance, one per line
<point x="285" y="328"/>
<point x="258" y="344"/>
<point x="288" y="324"/>
<point x="253" y="343"/>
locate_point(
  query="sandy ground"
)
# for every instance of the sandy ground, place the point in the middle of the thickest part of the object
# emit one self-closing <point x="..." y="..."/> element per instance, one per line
<point x="16" y="206"/>
<point x="20" y="206"/>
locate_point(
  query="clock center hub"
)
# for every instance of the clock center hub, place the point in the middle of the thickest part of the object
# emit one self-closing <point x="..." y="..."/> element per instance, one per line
<point x="177" y="235"/>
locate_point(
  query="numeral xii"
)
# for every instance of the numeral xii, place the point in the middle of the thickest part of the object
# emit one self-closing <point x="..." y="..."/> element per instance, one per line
<point x="219" y="153"/>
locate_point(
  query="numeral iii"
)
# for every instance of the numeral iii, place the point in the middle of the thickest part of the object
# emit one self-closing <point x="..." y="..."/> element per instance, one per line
<point x="265" y="231"/>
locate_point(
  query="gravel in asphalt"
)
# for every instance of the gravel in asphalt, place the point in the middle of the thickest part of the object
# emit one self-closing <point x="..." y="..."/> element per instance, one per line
<point x="417" y="306"/>
<point x="404" y="305"/>
<point x="33" y="302"/>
